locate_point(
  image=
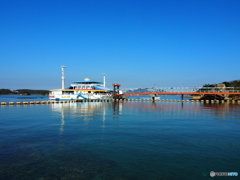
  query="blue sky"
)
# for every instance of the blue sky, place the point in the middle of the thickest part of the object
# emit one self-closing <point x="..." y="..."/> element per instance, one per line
<point x="137" y="43"/>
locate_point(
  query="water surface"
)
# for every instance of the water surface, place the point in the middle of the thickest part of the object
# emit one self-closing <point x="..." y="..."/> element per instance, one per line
<point x="127" y="140"/>
<point x="22" y="98"/>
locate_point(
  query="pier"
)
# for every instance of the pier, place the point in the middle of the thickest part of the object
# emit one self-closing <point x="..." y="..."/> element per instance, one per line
<point x="182" y="90"/>
<point x="222" y="92"/>
<point x="119" y="100"/>
<point x="119" y="95"/>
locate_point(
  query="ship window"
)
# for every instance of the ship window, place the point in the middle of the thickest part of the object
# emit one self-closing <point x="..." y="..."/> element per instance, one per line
<point x="83" y="87"/>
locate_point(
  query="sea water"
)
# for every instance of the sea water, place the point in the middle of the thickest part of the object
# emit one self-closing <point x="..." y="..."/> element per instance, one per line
<point x="22" y="98"/>
<point x="122" y="141"/>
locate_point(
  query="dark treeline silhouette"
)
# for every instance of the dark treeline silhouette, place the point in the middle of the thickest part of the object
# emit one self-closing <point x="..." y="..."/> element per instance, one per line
<point x="24" y="92"/>
<point x="235" y="83"/>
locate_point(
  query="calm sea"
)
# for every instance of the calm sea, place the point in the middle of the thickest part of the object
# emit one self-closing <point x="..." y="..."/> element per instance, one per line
<point x="119" y="141"/>
<point x="23" y="98"/>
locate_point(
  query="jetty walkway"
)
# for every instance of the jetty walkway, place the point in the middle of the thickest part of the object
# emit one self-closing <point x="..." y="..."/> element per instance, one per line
<point x="181" y="91"/>
<point x="119" y="100"/>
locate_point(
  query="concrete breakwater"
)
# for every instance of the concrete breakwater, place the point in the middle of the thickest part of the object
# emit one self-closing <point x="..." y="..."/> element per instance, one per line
<point x="120" y="100"/>
<point x="34" y="102"/>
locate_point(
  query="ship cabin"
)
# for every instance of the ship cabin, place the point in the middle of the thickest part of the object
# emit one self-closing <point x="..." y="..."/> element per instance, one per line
<point x="87" y="86"/>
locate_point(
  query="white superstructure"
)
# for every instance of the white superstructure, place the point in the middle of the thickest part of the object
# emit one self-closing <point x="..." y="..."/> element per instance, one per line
<point x="86" y="89"/>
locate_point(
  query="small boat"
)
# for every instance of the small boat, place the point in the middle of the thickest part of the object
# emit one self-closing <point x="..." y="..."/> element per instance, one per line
<point x="79" y="90"/>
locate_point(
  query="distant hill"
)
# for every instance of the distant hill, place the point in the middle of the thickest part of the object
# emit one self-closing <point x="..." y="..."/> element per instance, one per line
<point x="23" y="92"/>
<point x="235" y="83"/>
<point x="7" y="91"/>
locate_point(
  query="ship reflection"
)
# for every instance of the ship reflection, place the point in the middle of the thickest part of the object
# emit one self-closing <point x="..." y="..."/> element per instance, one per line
<point x="85" y="111"/>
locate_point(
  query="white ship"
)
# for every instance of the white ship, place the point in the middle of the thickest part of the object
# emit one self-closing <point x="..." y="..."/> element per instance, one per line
<point x="86" y="89"/>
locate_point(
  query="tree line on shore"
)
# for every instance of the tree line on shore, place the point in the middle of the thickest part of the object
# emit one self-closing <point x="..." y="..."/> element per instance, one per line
<point x="23" y="92"/>
<point x="235" y="83"/>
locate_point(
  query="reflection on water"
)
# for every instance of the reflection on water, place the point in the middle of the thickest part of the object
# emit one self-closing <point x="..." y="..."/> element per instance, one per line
<point x="119" y="140"/>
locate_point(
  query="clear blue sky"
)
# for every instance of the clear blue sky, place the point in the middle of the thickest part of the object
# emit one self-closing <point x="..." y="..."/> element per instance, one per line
<point x="137" y="43"/>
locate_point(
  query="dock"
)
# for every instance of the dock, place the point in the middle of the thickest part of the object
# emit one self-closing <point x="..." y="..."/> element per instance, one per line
<point x="121" y="100"/>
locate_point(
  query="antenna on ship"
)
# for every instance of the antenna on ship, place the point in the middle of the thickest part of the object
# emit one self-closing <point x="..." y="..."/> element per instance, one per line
<point x="104" y="80"/>
<point x="63" y="78"/>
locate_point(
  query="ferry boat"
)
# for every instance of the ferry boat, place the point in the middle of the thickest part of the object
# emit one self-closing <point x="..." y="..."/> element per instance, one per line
<point x="86" y="89"/>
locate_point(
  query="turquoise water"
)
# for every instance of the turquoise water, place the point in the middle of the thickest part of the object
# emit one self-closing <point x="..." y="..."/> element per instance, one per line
<point x="121" y="141"/>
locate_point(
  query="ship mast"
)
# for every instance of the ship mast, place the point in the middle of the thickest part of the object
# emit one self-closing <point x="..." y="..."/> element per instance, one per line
<point x="104" y="80"/>
<point x="63" y="78"/>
